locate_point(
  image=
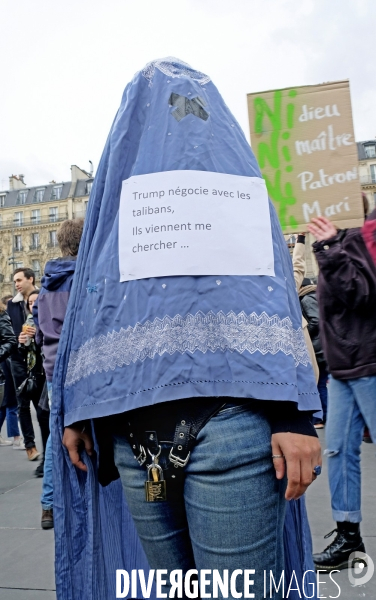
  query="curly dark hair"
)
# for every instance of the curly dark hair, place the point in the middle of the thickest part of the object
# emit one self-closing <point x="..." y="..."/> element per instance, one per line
<point x="69" y="236"/>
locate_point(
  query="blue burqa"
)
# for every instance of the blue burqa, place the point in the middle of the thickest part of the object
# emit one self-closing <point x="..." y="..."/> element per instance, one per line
<point x="132" y="344"/>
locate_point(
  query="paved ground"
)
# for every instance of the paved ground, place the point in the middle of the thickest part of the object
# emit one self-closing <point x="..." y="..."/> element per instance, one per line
<point x="26" y="551"/>
<point x="318" y="503"/>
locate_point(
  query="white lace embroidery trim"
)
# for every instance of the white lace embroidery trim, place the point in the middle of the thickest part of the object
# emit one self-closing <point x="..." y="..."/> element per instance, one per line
<point x="173" y="67"/>
<point x="200" y="332"/>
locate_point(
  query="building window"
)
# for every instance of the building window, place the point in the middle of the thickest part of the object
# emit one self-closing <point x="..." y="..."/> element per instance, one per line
<point x="56" y="192"/>
<point x="17" y="243"/>
<point x="54" y="214"/>
<point x="35" y="216"/>
<point x="373" y="173"/>
<point x="370" y="150"/>
<point x="2" y="200"/>
<point x="36" y="268"/>
<point x="18" y="265"/>
<point x="18" y="219"/>
<point x="22" y="195"/>
<point x="38" y="196"/>
<point x="53" y="239"/>
<point x="89" y="185"/>
<point x="34" y="241"/>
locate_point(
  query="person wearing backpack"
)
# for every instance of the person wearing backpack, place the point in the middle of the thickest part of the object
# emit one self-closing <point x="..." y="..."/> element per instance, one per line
<point x="48" y="314"/>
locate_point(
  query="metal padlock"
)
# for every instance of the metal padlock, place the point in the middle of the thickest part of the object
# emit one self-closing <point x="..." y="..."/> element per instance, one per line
<point x="155" y="486"/>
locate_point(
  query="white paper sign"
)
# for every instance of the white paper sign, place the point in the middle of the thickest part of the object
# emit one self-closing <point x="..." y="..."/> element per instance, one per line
<point x="194" y="223"/>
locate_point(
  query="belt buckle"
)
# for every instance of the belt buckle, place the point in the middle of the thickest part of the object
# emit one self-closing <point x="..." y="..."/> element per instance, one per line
<point x="177" y="461"/>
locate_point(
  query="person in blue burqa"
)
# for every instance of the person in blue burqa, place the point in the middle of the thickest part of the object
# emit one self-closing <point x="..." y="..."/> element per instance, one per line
<point x="199" y="385"/>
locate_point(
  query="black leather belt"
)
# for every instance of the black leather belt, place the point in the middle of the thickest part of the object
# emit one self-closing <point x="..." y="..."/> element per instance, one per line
<point x="169" y="427"/>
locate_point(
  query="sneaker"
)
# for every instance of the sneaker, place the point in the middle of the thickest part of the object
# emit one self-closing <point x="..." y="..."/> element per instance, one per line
<point x="5" y="442"/>
<point x="18" y="444"/>
<point x="47" y="521"/>
<point x="39" y="471"/>
<point x="336" y="555"/>
<point x="32" y="453"/>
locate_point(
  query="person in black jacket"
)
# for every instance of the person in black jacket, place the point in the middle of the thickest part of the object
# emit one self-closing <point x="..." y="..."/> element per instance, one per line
<point x="18" y="311"/>
<point x="8" y="342"/>
<point x="310" y="310"/>
<point x="8" y="402"/>
<point x="346" y="293"/>
<point x="34" y="364"/>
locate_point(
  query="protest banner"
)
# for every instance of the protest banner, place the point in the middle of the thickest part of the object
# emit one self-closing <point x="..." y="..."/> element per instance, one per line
<point x="303" y="139"/>
<point x="194" y="223"/>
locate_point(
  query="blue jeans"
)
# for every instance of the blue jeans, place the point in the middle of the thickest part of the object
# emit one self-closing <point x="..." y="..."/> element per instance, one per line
<point x="351" y="406"/>
<point x="12" y="420"/>
<point x="231" y="514"/>
<point x="47" y="497"/>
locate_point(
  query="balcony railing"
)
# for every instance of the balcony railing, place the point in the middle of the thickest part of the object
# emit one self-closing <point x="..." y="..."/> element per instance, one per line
<point x="18" y="249"/>
<point x="368" y="180"/>
<point x="52" y="244"/>
<point x="32" y="222"/>
<point x="35" y="247"/>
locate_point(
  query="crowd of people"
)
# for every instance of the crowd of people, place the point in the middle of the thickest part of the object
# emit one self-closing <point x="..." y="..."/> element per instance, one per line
<point x="30" y="327"/>
<point x="222" y="426"/>
<point x="338" y="313"/>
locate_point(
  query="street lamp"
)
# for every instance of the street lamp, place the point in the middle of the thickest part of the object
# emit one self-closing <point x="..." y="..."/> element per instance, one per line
<point x="12" y="262"/>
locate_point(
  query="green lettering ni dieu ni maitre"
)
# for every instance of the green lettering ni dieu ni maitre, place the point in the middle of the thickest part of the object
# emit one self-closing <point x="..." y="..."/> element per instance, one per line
<point x="283" y="197"/>
<point x="276" y="151"/>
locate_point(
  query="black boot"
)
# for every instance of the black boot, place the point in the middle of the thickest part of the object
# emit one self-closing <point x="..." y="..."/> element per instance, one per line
<point x="336" y="555"/>
<point x="39" y="471"/>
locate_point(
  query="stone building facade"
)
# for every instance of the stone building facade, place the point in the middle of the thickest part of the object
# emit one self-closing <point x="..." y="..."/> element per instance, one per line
<point x="30" y="217"/>
<point x="367" y="170"/>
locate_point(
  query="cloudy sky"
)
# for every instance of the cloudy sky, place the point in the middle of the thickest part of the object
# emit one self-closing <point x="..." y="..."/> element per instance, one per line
<point x="64" y="64"/>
